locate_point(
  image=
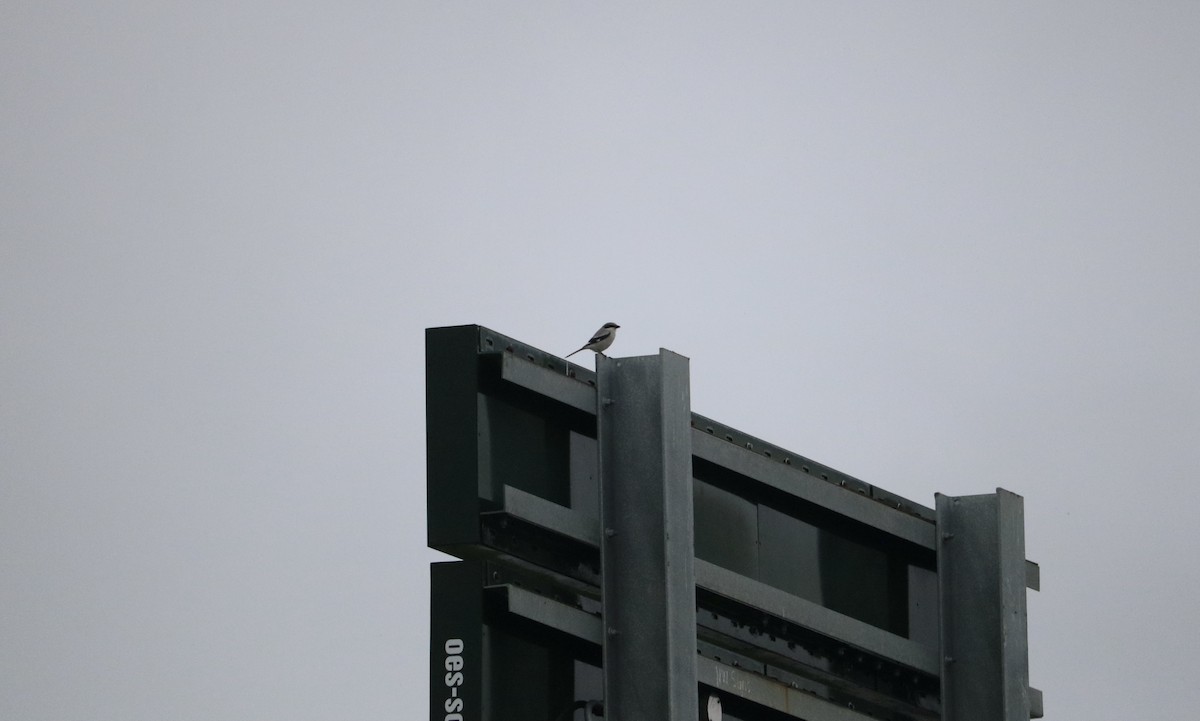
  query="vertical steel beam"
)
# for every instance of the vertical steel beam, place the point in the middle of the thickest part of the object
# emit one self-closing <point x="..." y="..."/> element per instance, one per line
<point x="649" y="582"/>
<point x="981" y="584"/>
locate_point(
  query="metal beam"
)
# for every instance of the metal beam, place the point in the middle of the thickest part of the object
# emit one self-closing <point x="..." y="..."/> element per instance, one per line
<point x="551" y="516"/>
<point x="815" y="617"/>
<point x="810" y="467"/>
<point x="796" y="483"/>
<point x="648" y="580"/>
<point x="981" y="582"/>
<point x="772" y="694"/>
<point x="550" y="613"/>
<point x="734" y="680"/>
<point x="568" y="390"/>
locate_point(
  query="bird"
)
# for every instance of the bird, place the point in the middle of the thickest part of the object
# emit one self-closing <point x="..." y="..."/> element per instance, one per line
<point x="601" y="339"/>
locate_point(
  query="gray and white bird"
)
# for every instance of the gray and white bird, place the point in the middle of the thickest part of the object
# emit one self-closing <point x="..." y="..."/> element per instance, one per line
<point x="601" y="340"/>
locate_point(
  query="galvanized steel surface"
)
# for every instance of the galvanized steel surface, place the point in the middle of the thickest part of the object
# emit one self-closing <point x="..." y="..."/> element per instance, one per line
<point x="647" y="541"/>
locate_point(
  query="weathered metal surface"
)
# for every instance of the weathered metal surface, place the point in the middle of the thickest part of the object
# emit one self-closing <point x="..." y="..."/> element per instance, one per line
<point x="813" y="616"/>
<point x="648" y="581"/>
<point x="793" y="481"/>
<point x="843" y="591"/>
<point x="982" y="584"/>
<point x="772" y="694"/>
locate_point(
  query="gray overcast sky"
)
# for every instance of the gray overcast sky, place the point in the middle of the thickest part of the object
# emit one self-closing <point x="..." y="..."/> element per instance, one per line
<point x="939" y="247"/>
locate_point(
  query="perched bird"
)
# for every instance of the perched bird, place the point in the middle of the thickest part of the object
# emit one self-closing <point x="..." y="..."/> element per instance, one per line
<point x="602" y="339"/>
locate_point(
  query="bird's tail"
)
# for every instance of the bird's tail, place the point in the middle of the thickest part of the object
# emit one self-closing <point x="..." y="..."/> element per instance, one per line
<point x="573" y="352"/>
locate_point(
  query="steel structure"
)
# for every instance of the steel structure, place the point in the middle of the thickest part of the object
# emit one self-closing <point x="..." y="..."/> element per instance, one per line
<point x="646" y="517"/>
<point x="624" y="557"/>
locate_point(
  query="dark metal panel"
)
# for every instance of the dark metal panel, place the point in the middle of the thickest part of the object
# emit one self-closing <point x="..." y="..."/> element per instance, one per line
<point x="794" y="482"/>
<point x="451" y="443"/>
<point x="726" y="529"/>
<point x="923" y="606"/>
<point x="526" y="676"/>
<point x="523" y="449"/>
<point x="570" y="640"/>
<point x="789" y="555"/>
<point x="864" y="581"/>
<point x="648" y="582"/>
<point x="982" y="584"/>
<point x="817" y="618"/>
<point x="585" y="477"/>
<point x="456" y="641"/>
